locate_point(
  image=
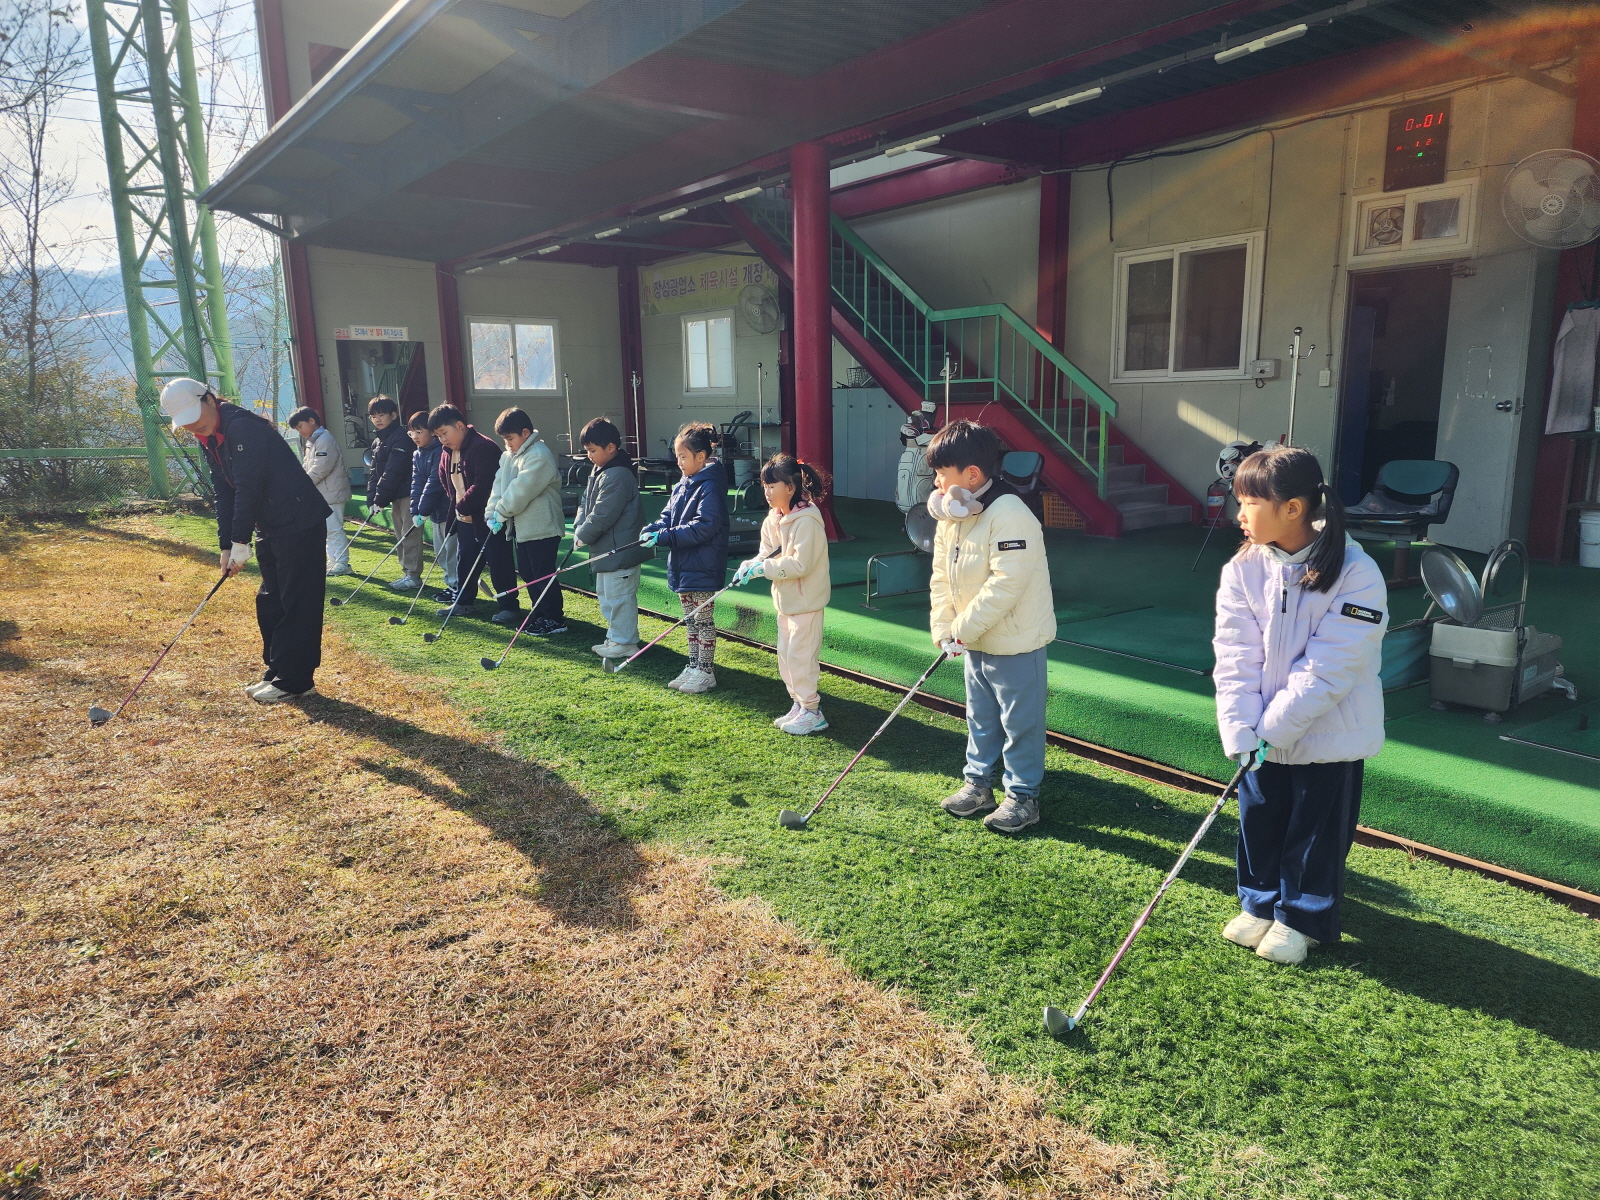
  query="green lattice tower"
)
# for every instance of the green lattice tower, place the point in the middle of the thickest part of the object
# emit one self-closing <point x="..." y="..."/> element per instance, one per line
<point x="155" y="148"/>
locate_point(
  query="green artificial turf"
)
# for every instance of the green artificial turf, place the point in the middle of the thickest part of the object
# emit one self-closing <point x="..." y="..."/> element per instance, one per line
<point x="1447" y="1048"/>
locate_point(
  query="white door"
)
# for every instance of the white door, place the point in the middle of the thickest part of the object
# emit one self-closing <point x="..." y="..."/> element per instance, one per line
<point x="1481" y="400"/>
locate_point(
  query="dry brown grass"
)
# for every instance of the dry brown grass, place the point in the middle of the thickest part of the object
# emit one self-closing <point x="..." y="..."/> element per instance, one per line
<point x="357" y="950"/>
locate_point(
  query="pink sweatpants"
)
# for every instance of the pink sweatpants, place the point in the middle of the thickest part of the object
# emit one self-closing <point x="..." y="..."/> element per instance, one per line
<point x="799" y="643"/>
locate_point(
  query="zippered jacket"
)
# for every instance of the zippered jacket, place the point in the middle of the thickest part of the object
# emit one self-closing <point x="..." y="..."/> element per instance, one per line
<point x="260" y="484"/>
<point x="527" y="492"/>
<point x="1299" y="669"/>
<point x="799" y="573"/>
<point x="694" y="529"/>
<point x="389" y="477"/>
<point x="428" y="497"/>
<point x="324" y="464"/>
<point x="991" y="580"/>
<point x="608" y="517"/>
<point x="480" y="462"/>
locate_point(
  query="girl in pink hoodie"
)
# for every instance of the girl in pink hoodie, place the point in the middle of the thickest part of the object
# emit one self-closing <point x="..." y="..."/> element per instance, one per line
<point x="1301" y="615"/>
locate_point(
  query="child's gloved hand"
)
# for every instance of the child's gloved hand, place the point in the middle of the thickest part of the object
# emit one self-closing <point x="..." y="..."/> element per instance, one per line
<point x="649" y="538"/>
<point x="496" y="524"/>
<point x="749" y="569"/>
<point x="952" y="647"/>
<point x="1254" y="758"/>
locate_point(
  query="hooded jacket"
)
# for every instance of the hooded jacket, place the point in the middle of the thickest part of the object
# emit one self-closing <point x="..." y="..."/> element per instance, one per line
<point x="1299" y="669"/>
<point x="428" y="498"/>
<point x="480" y="461"/>
<point x="389" y="477"/>
<point x="694" y="529"/>
<point x="608" y="516"/>
<point x="527" y="492"/>
<point x="260" y="484"/>
<point x="799" y="573"/>
<point x="324" y="465"/>
<point x="991" y="580"/>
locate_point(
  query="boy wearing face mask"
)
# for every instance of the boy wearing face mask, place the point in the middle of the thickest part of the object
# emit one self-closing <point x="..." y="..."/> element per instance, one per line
<point x="992" y="607"/>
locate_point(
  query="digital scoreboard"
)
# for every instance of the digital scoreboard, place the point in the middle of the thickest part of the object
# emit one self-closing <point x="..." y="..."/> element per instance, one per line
<point x="1419" y="136"/>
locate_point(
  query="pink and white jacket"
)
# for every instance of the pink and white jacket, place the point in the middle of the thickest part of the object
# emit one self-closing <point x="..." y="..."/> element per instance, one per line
<point x="1299" y="669"/>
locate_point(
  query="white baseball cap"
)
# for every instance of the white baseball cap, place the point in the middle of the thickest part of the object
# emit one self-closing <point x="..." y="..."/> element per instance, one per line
<point x="181" y="400"/>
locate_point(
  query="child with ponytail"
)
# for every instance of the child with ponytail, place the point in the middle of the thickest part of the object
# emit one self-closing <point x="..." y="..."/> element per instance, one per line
<point x="797" y="541"/>
<point x="694" y="529"/>
<point x="1301" y="615"/>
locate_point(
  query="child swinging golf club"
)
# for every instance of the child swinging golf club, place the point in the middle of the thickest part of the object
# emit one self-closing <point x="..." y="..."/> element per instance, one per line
<point x="794" y="556"/>
<point x="694" y="529"/>
<point x="1301" y="614"/>
<point x="992" y="605"/>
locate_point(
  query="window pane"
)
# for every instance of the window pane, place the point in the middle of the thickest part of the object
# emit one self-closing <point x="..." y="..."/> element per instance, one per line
<point x="694" y="338"/>
<point x="1437" y="219"/>
<point x="720" y="351"/>
<point x="491" y="357"/>
<point x="536" y="358"/>
<point x="1210" y="309"/>
<point x="1149" y="316"/>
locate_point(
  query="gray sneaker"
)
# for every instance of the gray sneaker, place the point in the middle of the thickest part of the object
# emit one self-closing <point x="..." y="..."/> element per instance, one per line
<point x="970" y="801"/>
<point x="1015" y="815"/>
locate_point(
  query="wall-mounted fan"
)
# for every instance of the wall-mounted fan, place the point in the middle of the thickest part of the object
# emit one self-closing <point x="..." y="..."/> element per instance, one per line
<point x="1552" y="199"/>
<point x="759" y="308"/>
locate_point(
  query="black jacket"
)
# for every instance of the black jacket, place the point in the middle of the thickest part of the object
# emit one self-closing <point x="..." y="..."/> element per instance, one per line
<point x="259" y="481"/>
<point x="389" y="477"/>
<point x="480" y="459"/>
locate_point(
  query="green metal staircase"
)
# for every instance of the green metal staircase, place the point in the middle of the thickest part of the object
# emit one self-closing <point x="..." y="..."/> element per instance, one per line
<point x="997" y="362"/>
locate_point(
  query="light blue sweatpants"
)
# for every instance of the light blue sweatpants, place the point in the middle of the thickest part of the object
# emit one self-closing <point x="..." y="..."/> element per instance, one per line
<point x="1005" y="719"/>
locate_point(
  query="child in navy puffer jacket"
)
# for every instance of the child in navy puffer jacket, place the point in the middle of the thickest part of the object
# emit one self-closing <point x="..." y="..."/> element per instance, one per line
<point x="1301" y="615"/>
<point x="694" y="529"/>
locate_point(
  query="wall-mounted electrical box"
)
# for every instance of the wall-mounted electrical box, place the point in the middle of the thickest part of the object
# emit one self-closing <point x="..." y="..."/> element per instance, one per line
<point x="1264" y="368"/>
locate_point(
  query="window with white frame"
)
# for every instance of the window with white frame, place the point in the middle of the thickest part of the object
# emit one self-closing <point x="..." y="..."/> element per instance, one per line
<point x="708" y="352"/>
<point x="1188" y="311"/>
<point x="1422" y="223"/>
<point x="515" y="355"/>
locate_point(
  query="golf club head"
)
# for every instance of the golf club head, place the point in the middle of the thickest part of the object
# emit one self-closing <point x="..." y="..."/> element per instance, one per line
<point x="397" y="620"/>
<point x="430" y="638"/>
<point x="98" y="715"/>
<point x="790" y="819"/>
<point x="487" y="663"/>
<point x="611" y="665"/>
<point x="1056" y="1022"/>
<point x="336" y="602"/>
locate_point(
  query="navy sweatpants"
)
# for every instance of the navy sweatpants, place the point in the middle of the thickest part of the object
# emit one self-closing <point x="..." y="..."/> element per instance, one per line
<point x="1296" y="825"/>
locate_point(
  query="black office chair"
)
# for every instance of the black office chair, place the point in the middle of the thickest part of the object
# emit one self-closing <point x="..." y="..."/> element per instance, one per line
<point x="1409" y="495"/>
<point x="1022" y="469"/>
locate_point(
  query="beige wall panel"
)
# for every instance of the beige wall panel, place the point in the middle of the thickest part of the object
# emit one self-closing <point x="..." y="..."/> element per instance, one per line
<point x="306" y="21"/>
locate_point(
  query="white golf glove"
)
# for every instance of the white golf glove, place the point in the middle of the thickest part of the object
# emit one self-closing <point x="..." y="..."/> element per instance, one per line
<point x="953" y="647"/>
<point x="239" y="554"/>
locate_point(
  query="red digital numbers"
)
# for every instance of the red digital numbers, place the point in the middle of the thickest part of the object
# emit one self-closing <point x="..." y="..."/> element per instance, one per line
<point x="1427" y="122"/>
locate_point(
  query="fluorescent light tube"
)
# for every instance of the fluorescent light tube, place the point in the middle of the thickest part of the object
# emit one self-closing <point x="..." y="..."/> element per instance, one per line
<point x="1261" y="43"/>
<point x="605" y="233"/>
<point x="744" y="195"/>
<point x="1048" y="106"/>
<point x="919" y="144"/>
<point x="506" y="262"/>
<point x="673" y="215"/>
<point x="548" y="249"/>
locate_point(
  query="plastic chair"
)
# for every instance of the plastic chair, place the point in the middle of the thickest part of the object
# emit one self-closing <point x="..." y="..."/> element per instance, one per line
<point x="1022" y="469"/>
<point x="1410" y="495"/>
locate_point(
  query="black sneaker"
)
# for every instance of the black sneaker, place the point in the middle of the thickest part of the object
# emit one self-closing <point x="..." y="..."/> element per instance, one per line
<point x="455" y="610"/>
<point x="444" y="595"/>
<point x="545" y="627"/>
<point x="507" y="616"/>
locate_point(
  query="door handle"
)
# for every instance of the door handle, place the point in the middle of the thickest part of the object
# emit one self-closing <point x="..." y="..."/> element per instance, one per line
<point x="1503" y="406"/>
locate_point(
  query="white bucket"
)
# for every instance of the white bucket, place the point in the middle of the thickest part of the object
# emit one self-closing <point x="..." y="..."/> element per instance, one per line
<point x="1589" y="538"/>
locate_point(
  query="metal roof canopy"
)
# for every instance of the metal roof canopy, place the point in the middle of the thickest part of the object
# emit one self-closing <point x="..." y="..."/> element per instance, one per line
<point x="458" y="128"/>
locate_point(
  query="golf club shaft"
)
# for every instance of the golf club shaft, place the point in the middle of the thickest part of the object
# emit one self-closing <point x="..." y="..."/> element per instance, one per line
<point x="1172" y="877"/>
<point x="1209" y="531"/>
<point x="171" y="644"/>
<point x="470" y="577"/>
<point x="381" y="561"/>
<point x="904" y="700"/>
<point x="564" y="569"/>
<point x="683" y="620"/>
<point x="552" y="578"/>
<point x="422" y="587"/>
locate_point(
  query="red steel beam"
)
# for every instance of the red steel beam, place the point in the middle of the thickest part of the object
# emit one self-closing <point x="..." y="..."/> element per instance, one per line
<point x="922" y="183"/>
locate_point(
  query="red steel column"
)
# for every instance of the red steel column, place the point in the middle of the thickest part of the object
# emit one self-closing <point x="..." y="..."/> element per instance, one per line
<point x="455" y="375"/>
<point x="1055" y="201"/>
<point x="813" y="303"/>
<point x="631" y="331"/>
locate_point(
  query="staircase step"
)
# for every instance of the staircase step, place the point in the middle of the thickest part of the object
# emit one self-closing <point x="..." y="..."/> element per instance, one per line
<point x="1125" y="495"/>
<point x="1149" y="516"/>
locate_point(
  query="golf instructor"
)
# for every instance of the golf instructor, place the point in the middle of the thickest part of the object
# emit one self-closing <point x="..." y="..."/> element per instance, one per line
<point x="263" y="490"/>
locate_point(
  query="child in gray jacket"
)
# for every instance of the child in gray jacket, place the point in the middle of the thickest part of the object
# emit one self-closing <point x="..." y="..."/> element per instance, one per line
<point x="608" y="521"/>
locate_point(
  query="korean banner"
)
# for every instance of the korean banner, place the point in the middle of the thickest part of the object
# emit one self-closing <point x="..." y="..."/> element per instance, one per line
<point x="698" y="284"/>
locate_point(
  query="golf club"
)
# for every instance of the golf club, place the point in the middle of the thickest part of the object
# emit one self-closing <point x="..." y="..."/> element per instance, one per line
<point x="99" y="716"/>
<point x="563" y="570"/>
<point x="790" y="819"/>
<point x="422" y="587"/>
<point x="489" y="664"/>
<point x="1056" y="1022"/>
<point x="339" y="602"/>
<point x="606" y="663"/>
<point x="430" y="638"/>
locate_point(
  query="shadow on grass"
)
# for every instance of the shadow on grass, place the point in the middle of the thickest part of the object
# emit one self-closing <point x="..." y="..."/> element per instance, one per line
<point x="588" y="872"/>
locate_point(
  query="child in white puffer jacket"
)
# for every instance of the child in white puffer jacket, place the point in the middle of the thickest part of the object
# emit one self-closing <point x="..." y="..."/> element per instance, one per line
<point x="1301" y="615"/>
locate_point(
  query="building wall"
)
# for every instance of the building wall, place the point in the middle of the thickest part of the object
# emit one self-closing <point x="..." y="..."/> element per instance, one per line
<point x="307" y="21"/>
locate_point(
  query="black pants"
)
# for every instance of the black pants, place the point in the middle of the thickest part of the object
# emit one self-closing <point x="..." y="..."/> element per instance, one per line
<point x="470" y="538"/>
<point x="1296" y="824"/>
<point x="289" y="605"/>
<point x="536" y="559"/>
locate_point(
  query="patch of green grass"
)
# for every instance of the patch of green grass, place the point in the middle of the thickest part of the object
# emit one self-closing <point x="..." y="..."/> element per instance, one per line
<point x="1449" y="1047"/>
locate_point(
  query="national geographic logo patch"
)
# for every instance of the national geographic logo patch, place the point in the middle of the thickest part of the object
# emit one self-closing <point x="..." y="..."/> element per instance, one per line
<point x="1018" y="545"/>
<point x="1370" y="615"/>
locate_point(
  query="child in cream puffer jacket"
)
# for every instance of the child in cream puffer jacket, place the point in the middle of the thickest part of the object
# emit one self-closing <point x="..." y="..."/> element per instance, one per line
<point x="992" y="604"/>
<point x="794" y="556"/>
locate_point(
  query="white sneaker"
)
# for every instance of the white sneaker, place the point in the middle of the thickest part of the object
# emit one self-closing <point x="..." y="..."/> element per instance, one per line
<point x="610" y="649"/>
<point x="1284" y="945"/>
<point x="250" y="689"/>
<point x="271" y="693"/>
<point x="406" y="583"/>
<point x="700" y="680"/>
<point x="795" y="710"/>
<point x="810" y="720"/>
<point x="683" y="678"/>
<point x="1247" y="931"/>
<point x="341" y="569"/>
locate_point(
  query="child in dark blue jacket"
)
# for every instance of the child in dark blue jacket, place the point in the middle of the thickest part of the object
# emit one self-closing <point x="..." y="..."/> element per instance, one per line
<point x="694" y="529"/>
<point x="428" y="498"/>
